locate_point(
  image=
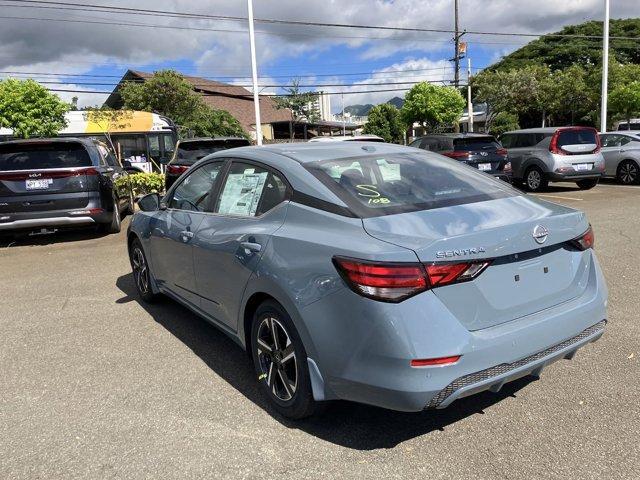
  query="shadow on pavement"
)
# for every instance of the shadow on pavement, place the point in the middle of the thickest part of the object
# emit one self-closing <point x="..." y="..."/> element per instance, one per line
<point x="347" y="424"/>
<point x="61" y="236"/>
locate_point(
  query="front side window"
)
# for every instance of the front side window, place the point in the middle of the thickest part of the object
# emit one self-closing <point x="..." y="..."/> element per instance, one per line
<point x="405" y="182"/>
<point x="194" y="192"/>
<point x="249" y="191"/>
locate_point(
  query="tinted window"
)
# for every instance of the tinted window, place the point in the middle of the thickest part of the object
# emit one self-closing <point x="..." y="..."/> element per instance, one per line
<point x="577" y="137"/>
<point x="508" y="141"/>
<point x="194" y="192"/>
<point x="475" y="143"/>
<point x="611" y="140"/>
<point x="191" y="152"/>
<point x="405" y="182"/>
<point x="249" y="191"/>
<point x="47" y="155"/>
<point x="107" y="155"/>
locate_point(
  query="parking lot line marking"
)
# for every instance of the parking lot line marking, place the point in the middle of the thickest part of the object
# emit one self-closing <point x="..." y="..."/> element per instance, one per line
<point x="618" y="186"/>
<point x="558" y="196"/>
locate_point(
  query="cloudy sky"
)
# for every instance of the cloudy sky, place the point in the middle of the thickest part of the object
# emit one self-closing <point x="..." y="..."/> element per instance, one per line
<point x="89" y="50"/>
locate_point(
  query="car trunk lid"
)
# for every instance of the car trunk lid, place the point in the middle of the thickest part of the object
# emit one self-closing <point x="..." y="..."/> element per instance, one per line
<point x="524" y="276"/>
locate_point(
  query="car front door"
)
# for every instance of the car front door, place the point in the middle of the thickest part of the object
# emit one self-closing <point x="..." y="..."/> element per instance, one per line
<point x="230" y="242"/>
<point x="173" y="230"/>
<point x="611" y="151"/>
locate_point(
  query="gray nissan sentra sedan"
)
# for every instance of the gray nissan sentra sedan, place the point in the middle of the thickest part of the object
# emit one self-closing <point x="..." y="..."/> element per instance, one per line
<point x="373" y="273"/>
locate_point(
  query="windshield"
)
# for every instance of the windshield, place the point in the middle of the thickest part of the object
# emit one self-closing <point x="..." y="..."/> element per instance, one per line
<point x="24" y="156"/>
<point x="191" y="152"/>
<point x="405" y="182"/>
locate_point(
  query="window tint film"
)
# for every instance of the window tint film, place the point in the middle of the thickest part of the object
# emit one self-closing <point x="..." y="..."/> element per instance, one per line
<point x="191" y="152"/>
<point x="47" y="155"/>
<point x="577" y="137"/>
<point x="383" y="185"/>
<point x="475" y="143"/>
<point x="194" y="192"/>
<point x="250" y="190"/>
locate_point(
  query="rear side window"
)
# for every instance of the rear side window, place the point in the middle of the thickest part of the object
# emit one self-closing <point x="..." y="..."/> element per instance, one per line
<point x="475" y="143"/>
<point x="508" y="141"/>
<point x="406" y="182"/>
<point x="577" y="137"/>
<point x="25" y="156"/>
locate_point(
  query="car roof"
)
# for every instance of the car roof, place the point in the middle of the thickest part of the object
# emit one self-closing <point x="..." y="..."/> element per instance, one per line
<point x="346" y="138"/>
<point x="456" y="135"/>
<point x="85" y="141"/>
<point x="211" y="139"/>
<point x="544" y="129"/>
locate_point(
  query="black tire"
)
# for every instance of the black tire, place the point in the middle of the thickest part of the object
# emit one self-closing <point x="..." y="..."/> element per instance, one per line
<point x="587" y="183"/>
<point x="141" y="274"/>
<point x="281" y="367"/>
<point x="131" y="208"/>
<point x="628" y="173"/>
<point x="535" y="180"/>
<point x="115" y="225"/>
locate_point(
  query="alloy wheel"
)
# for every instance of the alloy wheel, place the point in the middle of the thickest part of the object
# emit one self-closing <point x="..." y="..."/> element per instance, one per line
<point x="277" y="359"/>
<point x="534" y="179"/>
<point x="140" y="270"/>
<point x="628" y="173"/>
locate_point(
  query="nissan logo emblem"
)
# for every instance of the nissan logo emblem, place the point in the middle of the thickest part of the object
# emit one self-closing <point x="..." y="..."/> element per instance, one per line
<point x="540" y="234"/>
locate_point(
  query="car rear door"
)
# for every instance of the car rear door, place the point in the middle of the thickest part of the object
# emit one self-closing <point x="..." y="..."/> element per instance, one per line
<point x="173" y="231"/>
<point x="229" y="243"/>
<point x="611" y="151"/>
<point x="37" y="177"/>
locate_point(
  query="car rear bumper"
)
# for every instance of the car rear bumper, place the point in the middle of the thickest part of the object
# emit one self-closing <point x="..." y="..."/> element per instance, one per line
<point x="53" y="219"/>
<point x="32" y="223"/>
<point x="571" y="177"/>
<point x="369" y="361"/>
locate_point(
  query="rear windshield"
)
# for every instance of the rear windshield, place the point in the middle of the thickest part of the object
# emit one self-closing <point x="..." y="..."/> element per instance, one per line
<point x="577" y="137"/>
<point x="191" y="152"/>
<point x="406" y="182"/>
<point x="48" y="155"/>
<point x="475" y="143"/>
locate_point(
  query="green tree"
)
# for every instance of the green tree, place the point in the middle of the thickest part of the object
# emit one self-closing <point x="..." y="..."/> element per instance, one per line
<point x="504" y="122"/>
<point x="384" y="121"/>
<point x="302" y="105"/>
<point x="569" y="99"/>
<point x="432" y="106"/>
<point x="166" y="93"/>
<point x="209" y="122"/>
<point x="30" y="110"/>
<point x="624" y="101"/>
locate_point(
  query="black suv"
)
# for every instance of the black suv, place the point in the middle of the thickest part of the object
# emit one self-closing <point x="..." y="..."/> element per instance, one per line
<point x="479" y="150"/>
<point x="189" y="151"/>
<point x="54" y="183"/>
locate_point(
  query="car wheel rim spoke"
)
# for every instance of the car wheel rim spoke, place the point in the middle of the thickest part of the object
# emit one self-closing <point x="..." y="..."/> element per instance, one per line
<point x="276" y="359"/>
<point x="140" y="272"/>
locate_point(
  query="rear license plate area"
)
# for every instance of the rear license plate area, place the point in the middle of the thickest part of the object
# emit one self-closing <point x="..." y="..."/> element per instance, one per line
<point x="582" y="167"/>
<point x="38" y="184"/>
<point x="484" y="167"/>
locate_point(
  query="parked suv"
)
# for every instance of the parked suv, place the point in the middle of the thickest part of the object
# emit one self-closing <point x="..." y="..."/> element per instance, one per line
<point x="48" y="184"/>
<point x="556" y="154"/>
<point x="621" y="152"/>
<point x="481" y="151"/>
<point x="189" y="151"/>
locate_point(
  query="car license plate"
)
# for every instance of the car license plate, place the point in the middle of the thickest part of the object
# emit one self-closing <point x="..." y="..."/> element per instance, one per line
<point x="39" y="184"/>
<point x="581" y="167"/>
<point x="485" y="167"/>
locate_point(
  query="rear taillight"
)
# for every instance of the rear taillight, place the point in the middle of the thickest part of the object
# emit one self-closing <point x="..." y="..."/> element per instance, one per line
<point x="585" y="241"/>
<point x="76" y="172"/>
<point x="394" y="282"/>
<point x="502" y="151"/>
<point x="455" y="154"/>
<point x="507" y="168"/>
<point x="177" y="169"/>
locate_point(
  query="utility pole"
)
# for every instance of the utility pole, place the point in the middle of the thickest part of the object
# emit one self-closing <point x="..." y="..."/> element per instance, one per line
<point x="254" y="73"/>
<point x="605" y="68"/>
<point x="469" y="104"/>
<point x="456" y="41"/>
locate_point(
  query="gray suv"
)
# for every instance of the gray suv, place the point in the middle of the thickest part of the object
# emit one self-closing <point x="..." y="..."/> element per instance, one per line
<point x="555" y="154"/>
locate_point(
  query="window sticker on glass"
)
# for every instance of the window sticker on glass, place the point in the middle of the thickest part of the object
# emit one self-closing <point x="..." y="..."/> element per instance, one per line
<point x="242" y="193"/>
<point x="390" y="171"/>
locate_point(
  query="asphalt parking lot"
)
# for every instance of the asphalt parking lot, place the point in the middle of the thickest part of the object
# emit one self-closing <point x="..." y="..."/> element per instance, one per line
<point x="94" y="384"/>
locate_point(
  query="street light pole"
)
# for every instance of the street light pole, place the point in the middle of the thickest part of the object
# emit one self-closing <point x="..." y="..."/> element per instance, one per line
<point x="605" y="68"/>
<point x="254" y="73"/>
<point x="469" y="104"/>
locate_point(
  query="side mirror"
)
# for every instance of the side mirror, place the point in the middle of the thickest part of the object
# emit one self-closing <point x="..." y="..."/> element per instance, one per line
<point x="150" y="203"/>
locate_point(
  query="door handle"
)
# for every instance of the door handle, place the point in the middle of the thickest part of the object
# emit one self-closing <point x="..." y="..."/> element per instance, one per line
<point x="251" y="247"/>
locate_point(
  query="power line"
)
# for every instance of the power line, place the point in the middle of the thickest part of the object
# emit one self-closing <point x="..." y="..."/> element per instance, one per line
<point x="141" y="11"/>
